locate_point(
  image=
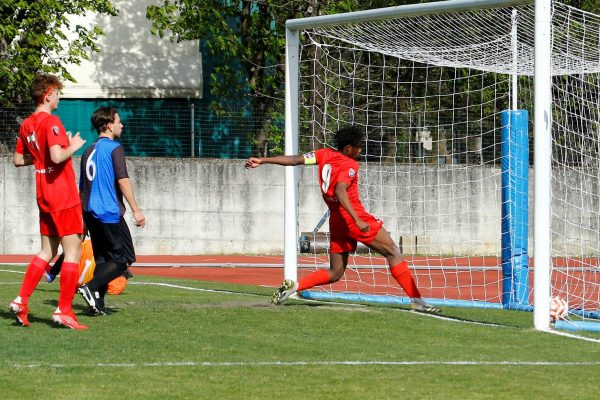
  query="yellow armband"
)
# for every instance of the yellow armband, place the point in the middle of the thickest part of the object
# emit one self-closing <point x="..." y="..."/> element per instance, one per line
<point x="310" y="158"/>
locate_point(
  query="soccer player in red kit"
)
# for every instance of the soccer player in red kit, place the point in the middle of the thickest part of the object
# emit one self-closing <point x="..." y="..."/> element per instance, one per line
<point x="349" y="222"/>
<point x="44" y="143"/>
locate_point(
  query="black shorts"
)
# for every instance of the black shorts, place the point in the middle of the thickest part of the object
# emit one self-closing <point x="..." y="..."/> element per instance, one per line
<point x="111" y="242"/>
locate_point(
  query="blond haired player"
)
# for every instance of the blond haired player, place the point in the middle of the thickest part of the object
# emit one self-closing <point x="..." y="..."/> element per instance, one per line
<point x="44" y="143"/>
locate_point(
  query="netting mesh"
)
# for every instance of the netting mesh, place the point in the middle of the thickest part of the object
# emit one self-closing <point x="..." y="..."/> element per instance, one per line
<point x="481" y="40"/>
<point x="428" y="92"/>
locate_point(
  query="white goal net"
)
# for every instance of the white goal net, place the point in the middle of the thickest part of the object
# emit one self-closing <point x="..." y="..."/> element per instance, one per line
<point x="428" y="91"/>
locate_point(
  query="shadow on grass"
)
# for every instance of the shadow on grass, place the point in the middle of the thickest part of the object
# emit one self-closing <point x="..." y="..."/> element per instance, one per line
<point x="365" y="307"/>
<point x="33" y="319"/>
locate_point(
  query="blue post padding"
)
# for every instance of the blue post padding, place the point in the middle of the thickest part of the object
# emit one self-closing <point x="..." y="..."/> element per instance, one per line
<point x="577" y="326"/>
<point x="515" y="183"/>
<point x="518" y="307"/>
<point x="383" y="299"/>
<point x="584" y="313"/>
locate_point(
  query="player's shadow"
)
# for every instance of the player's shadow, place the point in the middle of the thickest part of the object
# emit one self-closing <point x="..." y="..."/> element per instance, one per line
<point x="459" y="319"/>
<point x="32" y="317"/>
<point x="316" y="303"/>
<point x="82" y="309"/>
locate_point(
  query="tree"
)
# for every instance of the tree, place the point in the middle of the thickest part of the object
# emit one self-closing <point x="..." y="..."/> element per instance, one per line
<point x="37" y="35"/>
<point x="246" y="40"/>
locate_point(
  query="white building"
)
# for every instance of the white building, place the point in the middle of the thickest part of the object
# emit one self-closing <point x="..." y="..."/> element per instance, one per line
<point x="133" y="63"/>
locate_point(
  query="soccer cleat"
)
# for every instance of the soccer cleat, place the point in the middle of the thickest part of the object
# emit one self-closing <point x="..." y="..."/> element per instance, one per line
<point x="420" y="305"/>
<point x="20" y="311"/>
<point x="92" y="312"/>
<point x="288" y="288"/>
<point x="88" y="296"/>
<point x="99" y="309"/>
<point x="68" y="320"/>
<point x="49" y="277"/>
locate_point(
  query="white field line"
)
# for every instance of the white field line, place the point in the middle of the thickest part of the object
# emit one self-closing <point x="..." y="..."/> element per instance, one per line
<point x="441" y="317"/>
<point x="170" y="285"/>
<point x="310" y="364"/>
<point x="437" y="316"/>
<point x="571" y="335"/>
<point x="13" y="271"/>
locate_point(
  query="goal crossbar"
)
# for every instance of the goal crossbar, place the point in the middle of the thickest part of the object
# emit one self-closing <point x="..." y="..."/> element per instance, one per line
<point x="409" y="10"/>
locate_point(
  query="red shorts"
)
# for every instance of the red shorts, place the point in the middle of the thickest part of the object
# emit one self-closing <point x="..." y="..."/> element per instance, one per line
<point x="62" y="223"/>
<point x="345" y="234"/>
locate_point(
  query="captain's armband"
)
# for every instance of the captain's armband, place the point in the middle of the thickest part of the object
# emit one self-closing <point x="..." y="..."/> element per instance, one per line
<point x="310" y="158"/>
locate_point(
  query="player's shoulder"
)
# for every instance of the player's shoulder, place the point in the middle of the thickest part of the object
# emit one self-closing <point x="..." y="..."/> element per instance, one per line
<point x="52" y="123"/>
<point x="107" y="144"/>
<point x="28" y="124"/>
<point x="346" y="163"/>
<point x="88" y="150"/>
<point x="113" y="144"/>
<point x="324" y="153"/>
<point x="51" y="120"/>
<point x="29" y="120"/>
<point x="117" y="148"/>
<point x="343" y="159"/>
<point x="353" y="162"/>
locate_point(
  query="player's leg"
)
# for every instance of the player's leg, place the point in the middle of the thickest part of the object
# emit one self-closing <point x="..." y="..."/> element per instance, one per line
<point x="383" y="244"/>
<point x="339" y="247"/>
<point x="53" y="271"/>
<point x="100" y="248"/>
<point x="33" y="274"/>
<point x="98" y="285"/>
<point x="70" y="226"/>
<point x="114" y="251"/>
<point x="104" y="274"/>
<point x="337" y="266"/>
<point x="37" y="267"/>
<point x="69" y="275"/>
<point x="338" y="263"/>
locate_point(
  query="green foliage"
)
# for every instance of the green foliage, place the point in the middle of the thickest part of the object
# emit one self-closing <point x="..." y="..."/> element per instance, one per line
<point x="246" y="41"/>
<point x="38" y="36"/>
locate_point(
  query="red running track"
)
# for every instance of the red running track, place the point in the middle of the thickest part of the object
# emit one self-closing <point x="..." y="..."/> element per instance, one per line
<point x="455" y="281"/>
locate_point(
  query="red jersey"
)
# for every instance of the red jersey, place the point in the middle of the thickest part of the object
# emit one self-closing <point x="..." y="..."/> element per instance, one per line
<point x="335" y="167"/>
<point x="56" y="187"/>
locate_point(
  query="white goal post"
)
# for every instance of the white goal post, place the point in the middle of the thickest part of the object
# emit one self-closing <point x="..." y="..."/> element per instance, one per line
<point x="436" y="87"/>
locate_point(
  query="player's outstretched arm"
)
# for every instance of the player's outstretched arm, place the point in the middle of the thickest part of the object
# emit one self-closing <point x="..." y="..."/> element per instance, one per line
<point x="254" y="162"/>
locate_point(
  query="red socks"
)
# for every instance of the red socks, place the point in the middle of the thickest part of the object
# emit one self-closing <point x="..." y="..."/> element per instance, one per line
<point x="69" y="276"/>
<point x="32" y="277"/>
<point x="320" y="277"/>
<point x="401" y="273"/>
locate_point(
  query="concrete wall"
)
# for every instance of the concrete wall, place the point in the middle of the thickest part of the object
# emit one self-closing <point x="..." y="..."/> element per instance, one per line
<point x="217" y="207"/>
<point x="200" y="206"/>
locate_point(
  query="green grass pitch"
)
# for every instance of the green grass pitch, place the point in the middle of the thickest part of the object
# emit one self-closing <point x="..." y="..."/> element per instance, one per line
<point x="181" y="339"/>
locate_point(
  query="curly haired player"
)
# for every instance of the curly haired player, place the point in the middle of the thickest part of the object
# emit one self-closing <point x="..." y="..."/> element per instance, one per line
<point x="349" y="222"/>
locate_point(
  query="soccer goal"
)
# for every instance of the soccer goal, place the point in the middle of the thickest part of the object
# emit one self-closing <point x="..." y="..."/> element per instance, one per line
<point x="481" y="156"/>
